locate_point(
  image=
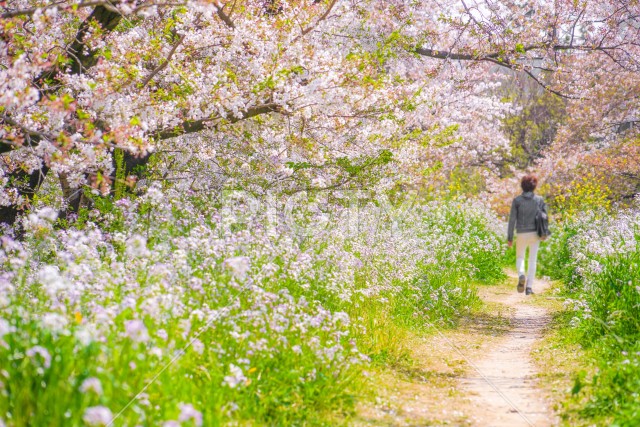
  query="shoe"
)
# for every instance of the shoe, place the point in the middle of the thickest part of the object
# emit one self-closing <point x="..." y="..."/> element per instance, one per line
<point x="530" y="291"/>
<point x="521" y="281"/>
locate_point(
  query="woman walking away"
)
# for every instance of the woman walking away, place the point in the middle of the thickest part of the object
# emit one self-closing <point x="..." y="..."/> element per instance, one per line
<point x="523" y="218"/>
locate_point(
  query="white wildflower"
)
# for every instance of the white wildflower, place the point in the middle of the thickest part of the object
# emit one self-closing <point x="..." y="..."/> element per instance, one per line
<point x="236" y="377"/>
<point x="54" y="322"/>
<point x="42" y="352"/>
<point x="97" y="416"/>
<point x="188" y="412"/>
<point x="136" y="331"/>
<point x="91" y="384"/>
<point x="48" y="214"/>
<point x="5" y="327"/>
<point x="137" y="246"/>
<point x="197" y="346"/>
<point x="239" y="266"/>
<point x="51" y="280"/>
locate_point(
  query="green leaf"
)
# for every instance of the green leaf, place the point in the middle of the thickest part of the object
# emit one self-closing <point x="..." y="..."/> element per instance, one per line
<point x="578" y="383"/>
<point x="82" y="115"/>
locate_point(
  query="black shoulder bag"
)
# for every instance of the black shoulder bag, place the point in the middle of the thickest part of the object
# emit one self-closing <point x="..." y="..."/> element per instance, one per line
<point x="542" y="221"/>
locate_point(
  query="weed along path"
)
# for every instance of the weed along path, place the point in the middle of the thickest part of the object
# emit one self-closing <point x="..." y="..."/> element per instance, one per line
<point x="501" y="384"/>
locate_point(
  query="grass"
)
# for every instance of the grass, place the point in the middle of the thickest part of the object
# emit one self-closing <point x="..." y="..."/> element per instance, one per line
<point x="560" y="360"/>
<point x="594" y="338"/>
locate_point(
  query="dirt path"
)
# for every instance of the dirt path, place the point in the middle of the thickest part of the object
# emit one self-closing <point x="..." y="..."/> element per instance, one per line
<point x="480" y="374"/>
<point x="501" y="384"/>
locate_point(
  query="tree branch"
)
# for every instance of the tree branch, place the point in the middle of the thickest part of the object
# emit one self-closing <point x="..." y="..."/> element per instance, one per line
<point x="165" y="63"/>
<point x="110" y="5"/>
<point x="547" y="87"/>
<point x="225" y="18"/>
<point x="25" y="130"/>
<point x="31" y="11"/>
<point x="496" y="57"/>
<point x="445" y="54"/>
<point x="315" y="24"/>
<point x="191" y="126"/>
<point x="573" y="27"/>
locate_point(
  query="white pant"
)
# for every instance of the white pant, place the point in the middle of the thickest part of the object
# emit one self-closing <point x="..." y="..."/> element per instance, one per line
<point x="533" y="242"/>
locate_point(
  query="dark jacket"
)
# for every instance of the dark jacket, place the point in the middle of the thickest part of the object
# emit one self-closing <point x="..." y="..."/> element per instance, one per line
<point x="523" y="213"/>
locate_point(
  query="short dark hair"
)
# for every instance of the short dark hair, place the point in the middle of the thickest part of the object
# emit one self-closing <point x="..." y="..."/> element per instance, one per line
<point x="529" y="182"/>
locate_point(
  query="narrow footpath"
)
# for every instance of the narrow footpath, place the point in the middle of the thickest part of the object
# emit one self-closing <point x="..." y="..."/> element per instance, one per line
<point x="502" y="384"/>
<point x="481" y="374"/>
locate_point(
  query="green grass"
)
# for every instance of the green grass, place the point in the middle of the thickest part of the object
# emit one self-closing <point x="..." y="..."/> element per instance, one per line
<point x="597" y="261"/>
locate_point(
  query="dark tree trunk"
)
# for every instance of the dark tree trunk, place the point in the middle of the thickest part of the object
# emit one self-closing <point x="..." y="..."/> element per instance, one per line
<point x="135" y="165"/>
<point x="128" y="165"/>
<point x="73" y="197"/>
<point x="26" y="184"/>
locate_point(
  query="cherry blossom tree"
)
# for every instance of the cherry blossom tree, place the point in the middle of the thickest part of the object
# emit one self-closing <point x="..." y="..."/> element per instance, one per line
<point x="587" y="53"/>
<point x="306" y="79"/>
<point x="303" y="94"/>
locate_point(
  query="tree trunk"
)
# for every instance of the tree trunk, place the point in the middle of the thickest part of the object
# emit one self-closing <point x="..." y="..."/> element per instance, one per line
<point x="125" y="165"/>
<point x="26" y="185"/>
<point x="73" y="197"/>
